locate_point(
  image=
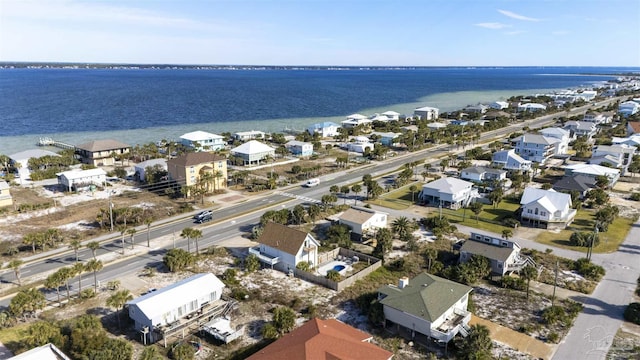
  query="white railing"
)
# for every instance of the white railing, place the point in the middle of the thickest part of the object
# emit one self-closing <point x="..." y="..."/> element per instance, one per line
<point x="267" y="259"/>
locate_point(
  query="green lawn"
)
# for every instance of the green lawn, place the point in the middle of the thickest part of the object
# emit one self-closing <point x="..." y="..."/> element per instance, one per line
<point x="398" y="199"/>
<point x="489" y="219"/>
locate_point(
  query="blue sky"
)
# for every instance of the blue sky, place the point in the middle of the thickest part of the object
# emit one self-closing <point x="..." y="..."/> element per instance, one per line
<point x="324" y="32"/>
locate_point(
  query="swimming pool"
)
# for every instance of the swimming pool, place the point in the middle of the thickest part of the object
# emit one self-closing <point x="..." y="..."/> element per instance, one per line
<point x="337" y="265"/>
<point x="339" y="268"/>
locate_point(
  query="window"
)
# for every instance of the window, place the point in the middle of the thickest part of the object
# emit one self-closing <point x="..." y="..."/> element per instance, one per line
<point x="543" y="213"/>
<point x="536" y="211"/>
<point x="192" y="170"/>
<point x="529" y="211"/>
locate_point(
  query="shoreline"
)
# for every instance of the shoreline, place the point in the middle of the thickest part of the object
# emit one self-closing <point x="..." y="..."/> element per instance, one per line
<point x="446" y="102"/>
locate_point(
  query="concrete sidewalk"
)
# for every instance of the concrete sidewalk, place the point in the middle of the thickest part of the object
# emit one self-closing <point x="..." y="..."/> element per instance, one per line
<point x="517" y="340"/>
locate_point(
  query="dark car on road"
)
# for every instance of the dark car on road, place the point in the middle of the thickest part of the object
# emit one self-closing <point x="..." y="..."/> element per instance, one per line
<point x="204" y="218"/>
<point x="203" y="213"/>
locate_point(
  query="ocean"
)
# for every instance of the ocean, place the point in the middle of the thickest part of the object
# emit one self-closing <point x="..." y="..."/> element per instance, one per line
<point x="138" y="106"/>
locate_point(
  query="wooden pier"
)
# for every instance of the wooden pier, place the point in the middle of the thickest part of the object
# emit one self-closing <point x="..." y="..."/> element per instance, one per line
<point x="59" y="144"/>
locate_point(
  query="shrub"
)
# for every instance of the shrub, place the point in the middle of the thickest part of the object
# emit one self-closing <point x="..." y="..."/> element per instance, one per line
<point x="333" y="275"/>
<point x="552" y="314"/>
<point x="589" y="270"/>
<point x="553" y="337"/>
<point x="632" y="313"/>
<point x="87" y="294"/>
<point x="635" y="196"/>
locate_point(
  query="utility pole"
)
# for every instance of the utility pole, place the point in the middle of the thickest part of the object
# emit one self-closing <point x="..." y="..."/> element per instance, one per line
<point x="110" y="210"/>
<point x="555" y="283"/>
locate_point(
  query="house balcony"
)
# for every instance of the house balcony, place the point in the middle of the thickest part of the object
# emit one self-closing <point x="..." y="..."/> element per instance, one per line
<point x="451" y="326"/>
<point x="550" y="219"/>
<point x="265" y="258"/>
<point x="519" y="263"/>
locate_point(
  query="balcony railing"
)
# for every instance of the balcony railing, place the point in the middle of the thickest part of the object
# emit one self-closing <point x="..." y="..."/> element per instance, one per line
<point x="265" y="258"/>
<point x="450" y="327"/>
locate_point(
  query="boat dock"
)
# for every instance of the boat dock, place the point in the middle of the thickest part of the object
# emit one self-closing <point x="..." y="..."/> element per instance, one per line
<point x="45" y="141"/>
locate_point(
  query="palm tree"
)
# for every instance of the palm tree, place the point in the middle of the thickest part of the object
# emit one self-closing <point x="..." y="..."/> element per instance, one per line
<point x="431" y="255"/>
<point x="528" y="273"/>
<point x="313" y="211"/>
<point x="345" y="191"/>
<point x="356" y="189"/>
<point x="401" y="226"/>
<point x="123" y="231"/>
<point x="78" y="268"/>
<point x="196" y="234"/>
<point x="507" y="233"/>
<point x="93" y="246"/>
<point x="118" y="300"/>
<point x="413" y="188"/>
<point x="54" y="281"/>
<point x="148" y="221"/>
<point x="132" y="232"/>
<point x="66" y="273"/>
<point x="94" y="265"/>
<point x="186" y="233"/>
<point x="15" y="265"/>
<point x="75" y="244"/>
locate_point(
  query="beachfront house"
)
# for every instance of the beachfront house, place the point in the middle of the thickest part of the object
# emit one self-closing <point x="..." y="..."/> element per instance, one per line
<point x="593" y="171"/>
<point x="325" y="129"/>
<point x="504" y="255"/>
<point x="531" y="107"/>
<point x="323" y="339"/>
<point x="300" y="148"/>
<point x="355" y="120"/>
<point x="476" y="109"/>
<point x="560" y="137"/>
<point x="45" y="352"/>
<point x="283" y="248"/>
<point x="426" y="113"/>
<point x="629" y="108"/>
<point x="617" y="156"/>
<point x="547" y="209"/>
<point x="102" y="152"/>
<point x="576" y="183"/>
<point x="391" y="115"/>
<point x="5" y="194"/>
<point x="140" y="169"/>
<point x="510" y="161"/>
<point x="253" y="152"/>
<point x="499" y="105"/>
<point x="481" y="174"/>
<point x="581" y="128"/>
<point x="535" y="147"/>
<point x="426" y="307"/>
<point x="249" y="135"/>
<point x="20" y="160"/>
<point x="192" y="168"/>
<point x="448" y="192"/>
<point x="202" y="141"/>
<point x="160" y="309"/>
<point x="78" y="180"/>
<point x="363" y="221"/>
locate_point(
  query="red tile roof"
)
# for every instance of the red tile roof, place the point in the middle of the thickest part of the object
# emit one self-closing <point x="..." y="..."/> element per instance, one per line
<point x="323" y="340"/>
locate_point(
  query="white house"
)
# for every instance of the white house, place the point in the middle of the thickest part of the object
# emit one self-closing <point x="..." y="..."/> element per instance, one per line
<point x="141" y="168"/>
<point x="546" y="208"/>
<point x="476" y="109"/>
<point x="628" y="108"/>
<point x="5" y="194"/>
<point x="44" y="352"/>
<point x="448" y="192"/>
<point x="597" y="118"/>
<point x="427" y="305"/>
<point x="499" y="105"/>
<point x="283" y="248"/>
<point x="531" y="107"/>
<point x="74" y="180"/>
<point x="504" y="255"/>
<point x="249" y="135"/>
<point x="21" y="160"/>
<point x="325" y="129"/>
<point x="436" y="125"/>
<point x="535" y="147"/>
<point x="619" y="156"/>
<point x="427" y="113"/>
<point x="593" y="171"/>
<point x="561" y="137"/>
<point x="359" y="147"/>
<point x="165" y="306"/>
<point x="300" y="148"/>
<point x="633" y="140"/>
<point x="510" y="161"/>
<point x="253" y="151"/>
<point x="581" y="128"/>
<point x="388" y="138"/>
<point x="363" y="220"/>
<point x="391" y="115"/>
<point x="202" y="141"/>
<point x="354" y="120"/>
<point x="482" y="173"/>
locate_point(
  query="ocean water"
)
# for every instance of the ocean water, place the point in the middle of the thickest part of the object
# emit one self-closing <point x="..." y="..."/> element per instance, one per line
<point x="143" y="105"/>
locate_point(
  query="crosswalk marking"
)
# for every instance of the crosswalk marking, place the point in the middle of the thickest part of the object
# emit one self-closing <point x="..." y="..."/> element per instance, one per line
<point x="299" y="197"/>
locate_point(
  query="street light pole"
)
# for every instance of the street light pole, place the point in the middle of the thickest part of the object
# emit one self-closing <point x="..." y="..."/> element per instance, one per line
<point x="110" y="211"/>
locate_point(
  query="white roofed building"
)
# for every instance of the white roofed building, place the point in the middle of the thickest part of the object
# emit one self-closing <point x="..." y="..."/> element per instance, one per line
<point x="509" y="160"/>
<point x="561" y="138"/>
<point x="249" y="135"/>
<point x="44" y="352"/>
<point x="325" y="129"/>
<point x="427" y="113"/>
<point x="5" y="194"/>
<point x="593" y="171"/>
<point x="74" y="180"/>
<point x="531" y="107"/>
<point x="448" y="192"/>
<point x="499" y="105"/>
<point x="162" y="308"/>
<point x="546" y="208"/>
<point x="141" y="168"/>
<point x="202" y="141"/>
<point x="21" y="160"/>
<point x="252" y="152"/>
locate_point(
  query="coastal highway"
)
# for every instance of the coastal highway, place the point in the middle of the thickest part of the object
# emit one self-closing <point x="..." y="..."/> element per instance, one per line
<point x="234" y="224"/>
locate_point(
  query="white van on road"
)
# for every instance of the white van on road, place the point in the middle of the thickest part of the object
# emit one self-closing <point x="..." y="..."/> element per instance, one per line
<point x="312" y="182"/>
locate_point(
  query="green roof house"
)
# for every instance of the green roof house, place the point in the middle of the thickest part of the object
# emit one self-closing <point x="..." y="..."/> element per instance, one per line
<point x="426" y="307"/>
